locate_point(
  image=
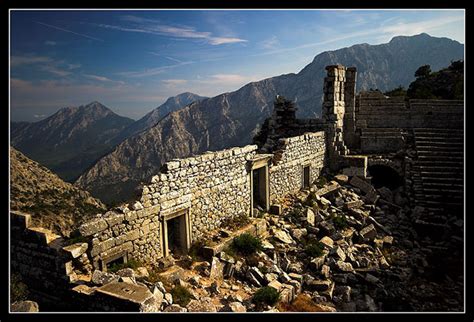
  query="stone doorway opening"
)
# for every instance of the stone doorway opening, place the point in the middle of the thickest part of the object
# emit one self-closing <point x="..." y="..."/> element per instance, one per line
<point x="110" y="262"/>
<point x="260" y="193"/>
<point x="306" y="176"/>
<point x="176" y="234"/>
<point x="384" y="176"/>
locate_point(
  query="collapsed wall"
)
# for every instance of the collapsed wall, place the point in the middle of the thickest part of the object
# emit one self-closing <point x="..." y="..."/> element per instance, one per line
<point x="292" y="157"/>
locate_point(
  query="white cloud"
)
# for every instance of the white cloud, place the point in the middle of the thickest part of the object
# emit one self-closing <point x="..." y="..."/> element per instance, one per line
<point x="155" y="27"/>
<point x="50" y="43"/>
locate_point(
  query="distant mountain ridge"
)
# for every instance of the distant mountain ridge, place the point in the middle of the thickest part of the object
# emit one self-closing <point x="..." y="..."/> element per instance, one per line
<point x="150" y="119"/>
<point x="232" y="119"/>
<point x="70" y="140"/>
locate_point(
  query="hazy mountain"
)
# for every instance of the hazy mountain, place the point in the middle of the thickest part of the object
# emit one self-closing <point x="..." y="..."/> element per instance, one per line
<point x="172" y="104"/>
<point x="231" y="119"/>
<point x="71" y="140"/>
<point x="53" y="203"/>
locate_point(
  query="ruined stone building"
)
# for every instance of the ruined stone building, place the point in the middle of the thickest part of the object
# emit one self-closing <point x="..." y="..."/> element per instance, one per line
<point x="417" y="144"/>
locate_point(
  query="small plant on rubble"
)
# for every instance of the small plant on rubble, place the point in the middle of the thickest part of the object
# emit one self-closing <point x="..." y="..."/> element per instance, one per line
<point x="247" y="244"/>
<point x="181" y="295"/>
<point x="340" y="222"/>
<point x="266" y="295"/>
<point x="314" y="249"/>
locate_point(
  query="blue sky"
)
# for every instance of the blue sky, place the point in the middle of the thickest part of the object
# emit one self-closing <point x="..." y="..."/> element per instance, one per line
<point x="132" y="61"/>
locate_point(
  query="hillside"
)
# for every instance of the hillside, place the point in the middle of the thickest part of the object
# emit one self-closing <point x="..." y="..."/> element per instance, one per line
<point x="52" y="203"/>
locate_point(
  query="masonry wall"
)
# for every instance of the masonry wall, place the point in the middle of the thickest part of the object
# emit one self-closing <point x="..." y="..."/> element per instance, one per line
<point x="373" y="110"/>
<point x="209" y="188"/>
<point x="286" y="173"/>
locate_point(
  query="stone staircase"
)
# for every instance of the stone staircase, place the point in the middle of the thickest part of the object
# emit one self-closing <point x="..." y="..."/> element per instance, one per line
<point x="382" y="140"/>
<point x="438" y="178"/>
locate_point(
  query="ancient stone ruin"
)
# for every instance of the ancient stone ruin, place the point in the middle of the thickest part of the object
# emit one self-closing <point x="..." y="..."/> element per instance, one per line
<point x="396" y="178"/>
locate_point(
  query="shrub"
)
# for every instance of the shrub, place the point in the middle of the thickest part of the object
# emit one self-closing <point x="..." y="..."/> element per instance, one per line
<point x="314" y="249"/>
<point x="131" y="263"/>
<point x="246" y="244"/>
<point x="181" y="295"/>
<point x="18" y="289"/>
<point x="340" y="222"/>
<point x="266" y="295"/>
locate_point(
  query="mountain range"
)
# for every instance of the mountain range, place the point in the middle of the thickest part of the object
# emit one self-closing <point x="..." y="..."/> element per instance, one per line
<point x="232" y="119"/>
<point x="72" y="139"/>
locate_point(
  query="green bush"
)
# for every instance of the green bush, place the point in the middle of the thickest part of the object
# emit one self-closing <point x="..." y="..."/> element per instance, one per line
<point x="340" y="222"/>
<point x="18" y="289"/>
<point x="131" y="263"/>
<point x="314" y="249"/>
<point x="246" y="244"/>
<point x="181" y="295"/>
<point x="266" y="295"/>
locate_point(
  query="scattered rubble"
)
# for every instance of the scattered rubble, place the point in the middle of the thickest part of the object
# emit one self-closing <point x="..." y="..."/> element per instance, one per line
<point x="329" y="248"/>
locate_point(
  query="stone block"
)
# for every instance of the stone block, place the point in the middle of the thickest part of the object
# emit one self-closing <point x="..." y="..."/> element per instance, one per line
<point x="92" y="227"/>
<point x="368" y="232"/>
<point x="361" y="184"/>
<point x="76" y="250"/>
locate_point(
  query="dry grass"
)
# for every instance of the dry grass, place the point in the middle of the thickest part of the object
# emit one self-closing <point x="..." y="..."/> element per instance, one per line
<point x="302" y="303"/>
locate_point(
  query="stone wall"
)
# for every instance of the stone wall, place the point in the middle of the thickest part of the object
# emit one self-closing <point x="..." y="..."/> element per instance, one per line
<point x="374" y="110"/>
<point x="286" y="173"/>
<point x="209" y="188"/>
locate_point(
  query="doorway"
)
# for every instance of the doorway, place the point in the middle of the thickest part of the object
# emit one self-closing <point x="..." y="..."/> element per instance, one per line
<point x="176" y="237"/>
<point x="260" y="193"/>
<point x="306" y="176"/>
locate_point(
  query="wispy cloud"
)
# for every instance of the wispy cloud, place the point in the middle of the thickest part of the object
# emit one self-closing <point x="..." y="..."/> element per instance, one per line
<point x="69" y="31"/>
<point x="152" y="71"/>
<point x="174" y="82"/>
<point x="413" y="28"/>
<point x="102" y="79"/>
<point x="44" y="63"/>
<point x="50" y="43"/>
<point x="28" y="60"/>
<point x="270" y="43"/>
<point x="155" y="27"/>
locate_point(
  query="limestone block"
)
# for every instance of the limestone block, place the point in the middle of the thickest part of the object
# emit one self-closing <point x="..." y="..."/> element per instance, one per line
<point x="92" y="227"/>
<point x="76" y="250"/>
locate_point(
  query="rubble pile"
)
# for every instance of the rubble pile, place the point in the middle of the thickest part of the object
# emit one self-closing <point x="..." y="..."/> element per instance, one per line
<point x="344" y="245"/>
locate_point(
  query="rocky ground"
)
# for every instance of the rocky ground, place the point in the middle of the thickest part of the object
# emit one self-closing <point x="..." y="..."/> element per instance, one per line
<point x="332" y="248"/>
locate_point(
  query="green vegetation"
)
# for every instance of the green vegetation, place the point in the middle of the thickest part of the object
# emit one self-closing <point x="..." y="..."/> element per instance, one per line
<point x="246" y="244"/>
<point x="266" y="295"/>
<point x="181" y="295"/>
<point x="340" y="222"/>
<point x="448" y="83"/>
<point x="76" y="239"/>
<point x="314" y="249"/>
<point x="131" y="263"/>
<point x="18" y="289"/>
